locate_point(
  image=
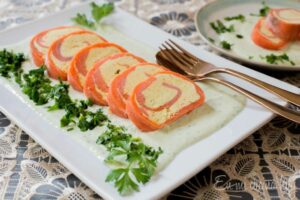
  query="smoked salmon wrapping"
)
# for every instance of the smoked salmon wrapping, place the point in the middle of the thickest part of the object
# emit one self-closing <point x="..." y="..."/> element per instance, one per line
<point x="284" y="23"/>
<point x="99" y="78"/>
<point x="123" y="85"/>
<point x="85" y="59"/>
<point x="40" y="43"/>
<point x="265" y="38"/>
<point x="61" y="51"/>
<point x="161" y="99"/>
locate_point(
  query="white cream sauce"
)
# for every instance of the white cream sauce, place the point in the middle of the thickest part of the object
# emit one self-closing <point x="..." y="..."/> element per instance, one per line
<point x="221" y="106"/>
<point x="247" y="49"/>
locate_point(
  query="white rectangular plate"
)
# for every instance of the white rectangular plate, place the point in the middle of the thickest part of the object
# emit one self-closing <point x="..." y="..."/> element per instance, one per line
<point x="85" y="164"/>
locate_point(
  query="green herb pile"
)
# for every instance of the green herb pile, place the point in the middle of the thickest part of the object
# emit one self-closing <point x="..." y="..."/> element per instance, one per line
<point x="98" y="12"/>
<point x="37" y="86"/>
<point x="137" y="160"/>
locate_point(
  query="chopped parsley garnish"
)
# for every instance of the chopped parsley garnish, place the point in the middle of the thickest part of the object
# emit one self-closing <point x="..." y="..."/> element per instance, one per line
<point x="10" y="64"/>
<point x="219" y="27"/>
<point x="250" y="57"/>
<point x="36" y="86"/>
<point x="211" y="40"/>
<point x="225" y="45"/>
<point x="238" y="18"/>
<point x="98" y="12"/>
<point x="239" y="36"/>
<point x="138" y="160"/>
<point x="263" y="12"/>
<point x="274" y="59"/>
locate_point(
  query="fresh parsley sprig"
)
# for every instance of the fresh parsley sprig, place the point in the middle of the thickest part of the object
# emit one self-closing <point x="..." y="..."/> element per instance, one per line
<point x="139" y="161"/>
<point x="101" y="11"/>
<point x="98" y="13"/>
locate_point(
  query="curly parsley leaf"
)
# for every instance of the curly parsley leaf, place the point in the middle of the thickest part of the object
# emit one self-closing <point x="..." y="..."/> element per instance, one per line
<point x="123" y="181"/>
<point x="101" y="11"/>
<point x="98" y="12"/>
<point x="81" y="19"/>
<point x="139" y="161"/>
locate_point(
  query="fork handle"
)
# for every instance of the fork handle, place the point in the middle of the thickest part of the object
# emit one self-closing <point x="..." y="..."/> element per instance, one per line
<point x="286" y="95"/>
<point x="275" y="108"/>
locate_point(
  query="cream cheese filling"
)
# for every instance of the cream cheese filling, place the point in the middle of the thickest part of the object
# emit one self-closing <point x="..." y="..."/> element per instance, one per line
<point x="114" y="67"/>
<point x="95" y="55"/>
<point x="53" y="35"/>
<point x="71" y="45"/>
<point x="138" y="75"/>
<point x="188" y="95"/>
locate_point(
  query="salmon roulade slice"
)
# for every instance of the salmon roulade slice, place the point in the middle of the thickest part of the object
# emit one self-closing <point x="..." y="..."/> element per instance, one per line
<point x="161" y="99"/>
<point x="85" y="59"/>
<point x="265" y="38"/>
<point x="122" y="86"/>
<point x="285" y="23"/>
<point x="62" y="51"/>
<point x="41" y="42"/>
<point x="99" y="78"/>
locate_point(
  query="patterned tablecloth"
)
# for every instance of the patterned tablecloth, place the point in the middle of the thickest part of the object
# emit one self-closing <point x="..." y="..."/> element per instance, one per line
<point x="264" y="166"/>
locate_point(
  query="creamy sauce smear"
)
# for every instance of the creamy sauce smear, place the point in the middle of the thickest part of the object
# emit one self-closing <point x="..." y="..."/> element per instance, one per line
<point x="246" y="48"/>
<point x="221" y="106"/>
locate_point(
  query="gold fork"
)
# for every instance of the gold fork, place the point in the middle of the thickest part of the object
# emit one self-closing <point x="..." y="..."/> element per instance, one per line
<point x="201" y="68"/>
<point x="177" y="60"/>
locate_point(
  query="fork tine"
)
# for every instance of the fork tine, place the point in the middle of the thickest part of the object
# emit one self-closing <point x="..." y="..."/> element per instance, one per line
<point x="177" y="54"/>
<point x="184" y="51"/>
<point x="166" y="54"/>
<point x="169" y="56"/>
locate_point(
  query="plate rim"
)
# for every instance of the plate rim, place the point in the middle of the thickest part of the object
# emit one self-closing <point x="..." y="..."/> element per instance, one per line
<point x="234" y="56"/>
